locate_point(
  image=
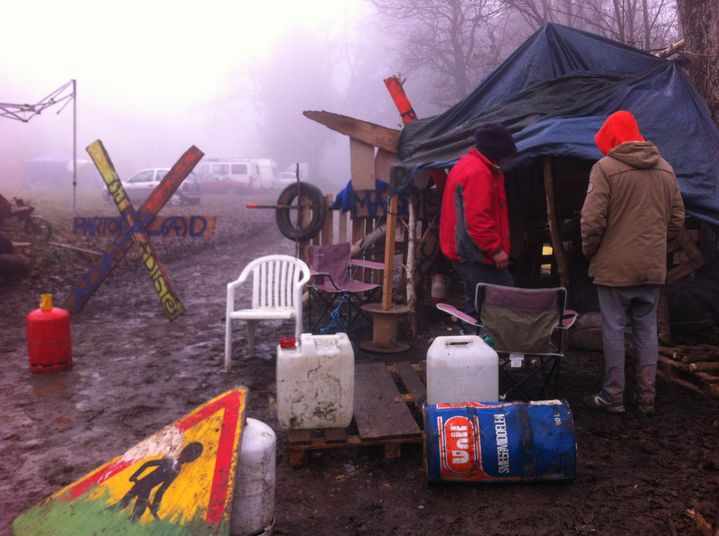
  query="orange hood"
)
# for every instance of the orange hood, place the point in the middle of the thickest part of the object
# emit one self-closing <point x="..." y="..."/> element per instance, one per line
<point x="619" y="128"/>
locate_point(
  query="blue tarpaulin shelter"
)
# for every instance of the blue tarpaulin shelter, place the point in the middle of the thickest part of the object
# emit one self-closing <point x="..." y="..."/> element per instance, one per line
<point x="556" y="90"/>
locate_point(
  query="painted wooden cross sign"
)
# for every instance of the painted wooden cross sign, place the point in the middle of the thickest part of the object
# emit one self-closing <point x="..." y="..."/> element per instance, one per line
<point x="137" y="223"/>
<point x="179" y="481"/>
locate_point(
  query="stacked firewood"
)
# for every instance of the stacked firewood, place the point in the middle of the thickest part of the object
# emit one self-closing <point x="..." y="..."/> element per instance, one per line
<point x="693" y="367"/>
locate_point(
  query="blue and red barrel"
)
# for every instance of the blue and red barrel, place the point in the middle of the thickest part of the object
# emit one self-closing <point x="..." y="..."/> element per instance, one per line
<point x="500" y="441"/>
<point x="49" y="344"/>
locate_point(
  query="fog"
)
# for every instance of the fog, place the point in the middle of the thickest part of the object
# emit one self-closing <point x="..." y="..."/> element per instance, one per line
<point x="229" y="76"/>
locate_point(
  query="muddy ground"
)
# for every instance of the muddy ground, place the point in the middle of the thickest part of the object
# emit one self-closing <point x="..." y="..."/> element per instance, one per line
<point x="135" y="372"/>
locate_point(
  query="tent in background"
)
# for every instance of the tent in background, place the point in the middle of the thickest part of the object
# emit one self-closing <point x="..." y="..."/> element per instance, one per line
<point x="554" y="92"/>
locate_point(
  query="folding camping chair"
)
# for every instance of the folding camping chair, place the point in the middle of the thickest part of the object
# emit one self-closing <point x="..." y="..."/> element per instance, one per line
<point x="526" y="328"/>
<point x="334" y="287"/>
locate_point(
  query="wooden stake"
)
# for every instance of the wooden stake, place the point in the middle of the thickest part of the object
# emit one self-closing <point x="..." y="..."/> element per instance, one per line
<point x="389" y="253"/>
<point x="557" y="246"/>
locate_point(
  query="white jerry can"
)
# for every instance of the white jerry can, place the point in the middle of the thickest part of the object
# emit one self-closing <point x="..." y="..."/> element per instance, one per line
<point x="253" y="506"/>
<point x="462" y="368"/>
<point x="315" y="382"/>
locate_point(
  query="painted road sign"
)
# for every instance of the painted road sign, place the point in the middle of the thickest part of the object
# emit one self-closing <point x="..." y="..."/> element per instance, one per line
<point x="179" y="481"/>
<point x="102" y="267"/>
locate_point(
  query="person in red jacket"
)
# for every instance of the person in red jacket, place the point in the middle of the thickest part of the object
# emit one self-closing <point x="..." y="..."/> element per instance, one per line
<point x="474" y="223"/>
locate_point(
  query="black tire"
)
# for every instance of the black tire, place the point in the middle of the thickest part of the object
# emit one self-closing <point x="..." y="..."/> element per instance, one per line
<point x="288" y="196"/>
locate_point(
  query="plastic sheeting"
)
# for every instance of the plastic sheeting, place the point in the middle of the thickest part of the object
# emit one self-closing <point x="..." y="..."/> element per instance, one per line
<point x="556" y="90"/>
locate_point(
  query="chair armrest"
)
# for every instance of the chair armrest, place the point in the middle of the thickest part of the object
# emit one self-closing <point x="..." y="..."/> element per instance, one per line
<point x="452" y="310"/>
<point x="362" y="263"/>
<point x="314" y="273"/>
<point x="568" y="318"/>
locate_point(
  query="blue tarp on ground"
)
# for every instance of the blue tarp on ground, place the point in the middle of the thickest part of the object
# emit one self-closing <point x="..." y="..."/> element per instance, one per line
<point x="556" y="90"/>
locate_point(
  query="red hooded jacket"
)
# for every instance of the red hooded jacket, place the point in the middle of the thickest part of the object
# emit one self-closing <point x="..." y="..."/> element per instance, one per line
<point x="474" y="224"/>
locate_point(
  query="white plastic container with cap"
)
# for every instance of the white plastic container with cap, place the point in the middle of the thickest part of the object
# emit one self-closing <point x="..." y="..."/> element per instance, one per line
<point x="462" y="368"/>
<point x="315" y="382"/>
<point x="253" y="506"/>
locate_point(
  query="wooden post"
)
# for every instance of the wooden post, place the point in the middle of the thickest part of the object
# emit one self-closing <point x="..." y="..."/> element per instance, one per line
<point x="389" y="253"/>
<point x="303" y="219"/>
<point x="328" y="227"/>
<point x="343" y="227"/>
<point x="557" y="246"/>
<point x="411" y="244"/>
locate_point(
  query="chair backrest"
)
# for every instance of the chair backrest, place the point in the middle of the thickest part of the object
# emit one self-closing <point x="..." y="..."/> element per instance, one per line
<point x="277" y="281"/>
<point x="522" y="320"/>
<point x="333" y="260"/>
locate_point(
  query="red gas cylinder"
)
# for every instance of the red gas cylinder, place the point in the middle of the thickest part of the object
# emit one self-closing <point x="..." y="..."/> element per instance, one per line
<point x="48" y="337"/>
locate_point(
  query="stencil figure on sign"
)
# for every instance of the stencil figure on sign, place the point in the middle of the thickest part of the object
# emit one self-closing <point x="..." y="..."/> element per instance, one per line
<point x="163" y="473"/>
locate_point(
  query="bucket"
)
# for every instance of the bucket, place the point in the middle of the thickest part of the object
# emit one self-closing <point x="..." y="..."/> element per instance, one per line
<point x="500" y="442"/>
<point x="438" y="290"/>
<point x="48" y="337"/>
<point x="462" y="368"/>
<point x="253" y="506"/>
<point x="315" y="382"/>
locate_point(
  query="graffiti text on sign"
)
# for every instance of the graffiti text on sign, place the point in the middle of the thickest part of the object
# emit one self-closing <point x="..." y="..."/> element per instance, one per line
<point x="160" y="226"/>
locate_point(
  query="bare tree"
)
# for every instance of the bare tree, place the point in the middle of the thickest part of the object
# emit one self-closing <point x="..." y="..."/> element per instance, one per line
<point x="700" y="24"/>
<point x="455" y="40"/>
<point x="645" y="24"/>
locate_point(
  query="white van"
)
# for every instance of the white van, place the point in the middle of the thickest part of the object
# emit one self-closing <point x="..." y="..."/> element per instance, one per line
<point x="268" y="176"/>
<point x="221" y="176"/>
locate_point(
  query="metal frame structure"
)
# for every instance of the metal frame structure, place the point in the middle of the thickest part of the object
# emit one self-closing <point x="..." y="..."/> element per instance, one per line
<point x="25" y="112"/>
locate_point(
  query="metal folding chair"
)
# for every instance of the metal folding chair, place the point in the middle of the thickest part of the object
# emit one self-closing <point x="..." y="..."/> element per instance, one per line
<point x="333" y="286"/>
<point x="526" y="327"/>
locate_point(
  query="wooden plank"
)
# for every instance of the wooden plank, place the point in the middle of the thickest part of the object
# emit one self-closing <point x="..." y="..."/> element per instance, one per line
<point x="300" y="436"/>
<point x="370" y="133"/>
<point x="361" y="165"/>
<point x="412" y="382"/>
<point x="379" y="409"/>
<point x="336" y="435"/>
<point x="383" y="161"/>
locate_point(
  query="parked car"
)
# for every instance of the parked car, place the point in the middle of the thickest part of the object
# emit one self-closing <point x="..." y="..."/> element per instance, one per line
<point x="227" y="176"/>
<point x="139" y="186"/>
<point x="286" y="177"/>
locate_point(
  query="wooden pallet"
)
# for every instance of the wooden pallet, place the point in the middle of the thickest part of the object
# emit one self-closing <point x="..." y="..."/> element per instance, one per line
<point x="386" y="413"/>
<point x="693" y="367"/>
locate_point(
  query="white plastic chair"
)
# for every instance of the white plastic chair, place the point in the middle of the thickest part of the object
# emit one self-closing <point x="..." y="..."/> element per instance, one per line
<point x="277" y="284"/>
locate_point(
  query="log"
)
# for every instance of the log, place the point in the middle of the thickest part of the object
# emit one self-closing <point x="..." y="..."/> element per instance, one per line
<point x="673" y="363"/>
<point x="680" y="382"/>
<point x="703" y="365"/>
<point x="367" y="240"/>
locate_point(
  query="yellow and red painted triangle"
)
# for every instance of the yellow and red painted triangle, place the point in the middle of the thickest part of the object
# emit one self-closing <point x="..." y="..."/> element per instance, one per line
<point x="178" y="481"/>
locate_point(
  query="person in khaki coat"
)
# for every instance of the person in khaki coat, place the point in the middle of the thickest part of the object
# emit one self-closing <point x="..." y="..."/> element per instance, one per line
<point x="632" y="208"/>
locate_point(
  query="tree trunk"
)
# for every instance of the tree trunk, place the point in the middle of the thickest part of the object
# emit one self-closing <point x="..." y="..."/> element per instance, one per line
<point x="699" y="20"/>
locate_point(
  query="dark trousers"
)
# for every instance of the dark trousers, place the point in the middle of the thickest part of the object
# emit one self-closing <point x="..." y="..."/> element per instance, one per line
<point x="472" y="273"/>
